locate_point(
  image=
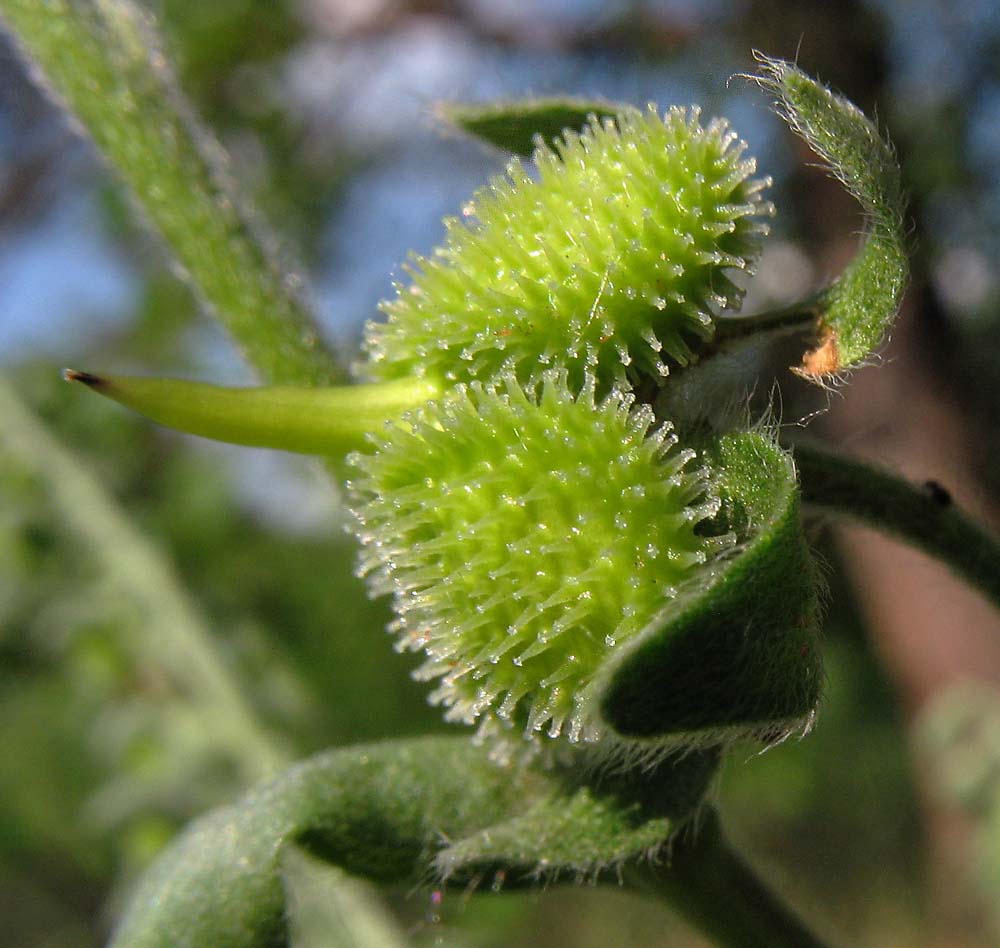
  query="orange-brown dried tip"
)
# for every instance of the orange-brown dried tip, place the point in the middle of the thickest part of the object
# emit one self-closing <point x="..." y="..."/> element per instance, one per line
<point x="823" y="360"/>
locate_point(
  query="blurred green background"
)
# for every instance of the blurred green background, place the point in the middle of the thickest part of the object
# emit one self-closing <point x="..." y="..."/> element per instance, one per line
<point x="177" y="618"/>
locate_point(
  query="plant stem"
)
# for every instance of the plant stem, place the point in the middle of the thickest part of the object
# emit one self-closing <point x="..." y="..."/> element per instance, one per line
<point x="921" y="516"/>
<point x="795" y="317"/>
<point x="104" y="60"/>
<point x="707" y="882"/>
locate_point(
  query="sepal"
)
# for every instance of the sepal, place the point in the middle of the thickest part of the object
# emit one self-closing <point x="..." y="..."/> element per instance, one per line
<point x="735" y="654"/>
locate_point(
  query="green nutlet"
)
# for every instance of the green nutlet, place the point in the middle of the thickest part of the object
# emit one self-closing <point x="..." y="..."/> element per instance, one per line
<point x="524" y="536"/>
<point x="612" y="261"/>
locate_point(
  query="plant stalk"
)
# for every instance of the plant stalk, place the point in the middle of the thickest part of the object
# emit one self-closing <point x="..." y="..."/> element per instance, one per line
<point x="796" y="317"/>
<point x="708" y="883"/>
<point x="922" y="516"/>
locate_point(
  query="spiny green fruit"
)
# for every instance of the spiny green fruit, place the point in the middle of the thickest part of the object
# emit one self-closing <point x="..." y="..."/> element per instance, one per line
<point x="614" y="261"/>
<point x="525" y="536"/>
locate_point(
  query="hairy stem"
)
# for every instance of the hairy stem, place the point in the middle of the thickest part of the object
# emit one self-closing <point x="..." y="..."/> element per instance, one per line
<point x="922" y="516"/>
<point x="103" y="59"/>
<point x="708" y="883"/>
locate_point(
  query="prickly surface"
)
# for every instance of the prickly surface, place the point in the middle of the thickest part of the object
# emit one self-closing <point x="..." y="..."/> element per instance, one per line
<point x="523" y="537"/>
<point x="615" y="259"/>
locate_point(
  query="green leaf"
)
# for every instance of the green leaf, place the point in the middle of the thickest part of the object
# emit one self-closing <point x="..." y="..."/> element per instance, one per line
<point x="393" y="812"/>
<point x="374" y="811"/>
<point x="513" y="126"/>
<point x="735" y="654"/>
<point x="860" y="305"/>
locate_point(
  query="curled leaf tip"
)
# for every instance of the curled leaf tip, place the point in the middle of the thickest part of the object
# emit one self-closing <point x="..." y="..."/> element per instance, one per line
<point x="859" y="307"/>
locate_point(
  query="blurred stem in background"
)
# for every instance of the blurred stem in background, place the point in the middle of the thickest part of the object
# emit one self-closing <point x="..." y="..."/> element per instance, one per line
<point x="174" y="636"/>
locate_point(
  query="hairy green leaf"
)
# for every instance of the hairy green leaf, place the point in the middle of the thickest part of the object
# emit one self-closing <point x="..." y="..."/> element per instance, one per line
<point x="587" y="826"/>
<point x="394" y="812"/>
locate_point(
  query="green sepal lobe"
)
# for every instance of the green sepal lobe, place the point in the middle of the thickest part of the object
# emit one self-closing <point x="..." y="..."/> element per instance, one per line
<point x="515" y="126"/>
<point x="589" y="824"/>
<point x="328" y="421"/>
